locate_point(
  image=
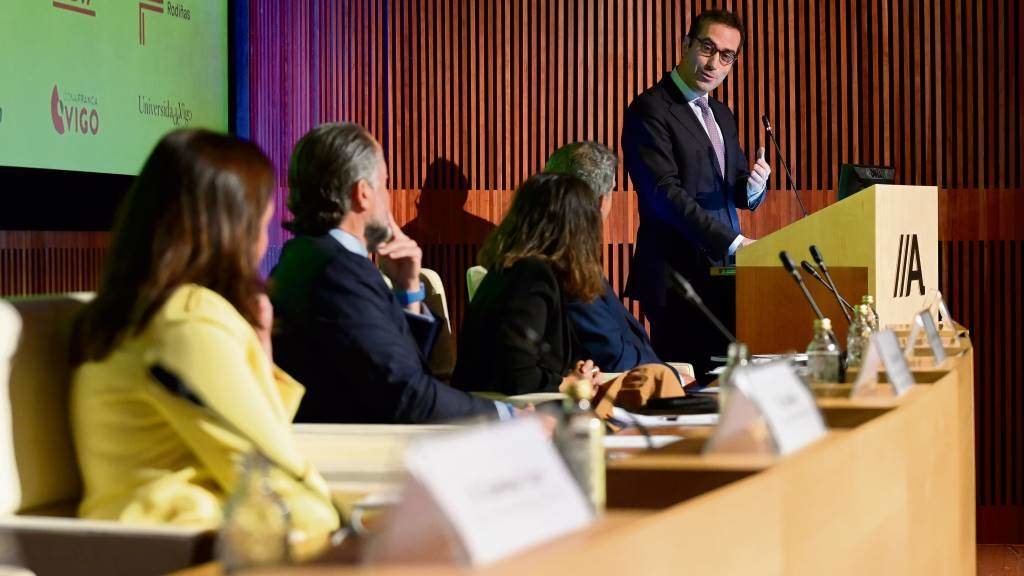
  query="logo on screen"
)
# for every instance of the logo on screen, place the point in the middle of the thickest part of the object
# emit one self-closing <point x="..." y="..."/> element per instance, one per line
<point x="83" y="7"/>
<point x="157" y="7"/>
<point x="908" y="267"/>
<point x="74" y="112"/>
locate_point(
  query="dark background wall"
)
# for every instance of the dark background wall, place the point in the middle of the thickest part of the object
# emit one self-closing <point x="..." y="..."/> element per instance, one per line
<point x="468" y="97"/>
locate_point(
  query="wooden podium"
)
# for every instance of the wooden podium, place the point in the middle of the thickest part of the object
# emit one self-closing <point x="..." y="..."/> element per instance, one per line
<point x="881" y="241"/>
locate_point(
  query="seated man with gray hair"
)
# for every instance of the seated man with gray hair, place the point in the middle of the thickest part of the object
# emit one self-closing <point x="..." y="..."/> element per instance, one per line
<point x="359" y="347"/>
<point x="610" y="335"/>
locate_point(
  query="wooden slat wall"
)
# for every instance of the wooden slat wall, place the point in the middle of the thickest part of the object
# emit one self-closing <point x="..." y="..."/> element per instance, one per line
<point x="468" y="97"/>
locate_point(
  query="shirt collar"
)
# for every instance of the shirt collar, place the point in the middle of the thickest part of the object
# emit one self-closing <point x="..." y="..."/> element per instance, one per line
<point x="688" y="93"/>
<point x="349" y="242"/>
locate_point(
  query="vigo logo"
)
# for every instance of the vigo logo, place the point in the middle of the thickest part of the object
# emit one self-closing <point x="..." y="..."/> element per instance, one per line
<point x="75" y="113"/>
<point x="908" y="267"/>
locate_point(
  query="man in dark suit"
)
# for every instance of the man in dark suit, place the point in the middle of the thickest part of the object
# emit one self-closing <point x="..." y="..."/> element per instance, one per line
<point x="359" y="347"/>
<point x="682" y="151"/>
<point x="606" y="331"/>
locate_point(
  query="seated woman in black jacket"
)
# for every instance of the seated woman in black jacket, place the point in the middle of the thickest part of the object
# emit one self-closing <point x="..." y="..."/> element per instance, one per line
<point x="516" y="337"/>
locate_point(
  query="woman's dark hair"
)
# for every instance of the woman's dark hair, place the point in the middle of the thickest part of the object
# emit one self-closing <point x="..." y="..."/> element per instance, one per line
<point x="193" y="215"/>
<point x="552" y="217"/>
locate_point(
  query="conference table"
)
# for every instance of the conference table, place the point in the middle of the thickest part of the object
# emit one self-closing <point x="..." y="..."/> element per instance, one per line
<point x="890" y="489"/>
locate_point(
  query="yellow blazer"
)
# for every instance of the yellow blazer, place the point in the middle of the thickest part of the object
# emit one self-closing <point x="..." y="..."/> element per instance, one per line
<point x="151" y="456"/>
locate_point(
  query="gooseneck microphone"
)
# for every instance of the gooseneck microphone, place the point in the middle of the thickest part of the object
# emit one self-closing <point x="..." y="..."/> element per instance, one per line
<point x="782" y="159"/>
<point x="843" y="304"/>
<point x="791" y="268"/>
<point x="686" y="289"/>
<point x="820" y="261"/>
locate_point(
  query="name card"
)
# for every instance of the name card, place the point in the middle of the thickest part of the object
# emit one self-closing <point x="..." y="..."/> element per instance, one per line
<point x="481" y="494"/>
<point x="896" y="368"/>
<point x="931" y="332"/>
<point x="770" y="410"/>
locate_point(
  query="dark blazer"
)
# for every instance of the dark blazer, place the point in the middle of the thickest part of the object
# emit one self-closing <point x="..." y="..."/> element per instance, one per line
<point x="609" y="334"/>
<point x="516" y="337"/>
<point x="687" y="206"/>
<point x="362" y="357"/>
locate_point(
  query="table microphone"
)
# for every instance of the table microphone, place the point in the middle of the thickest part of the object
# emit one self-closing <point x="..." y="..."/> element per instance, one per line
<point x="843" y="304"/>
<point x="820" y="261"/>
<point x="782" y="159"/>
<point x="686" y="289"/>
<point x="791" y="268"/>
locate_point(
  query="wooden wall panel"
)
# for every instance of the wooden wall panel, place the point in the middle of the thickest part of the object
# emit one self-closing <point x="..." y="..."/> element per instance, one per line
<point x="468" y="97"/>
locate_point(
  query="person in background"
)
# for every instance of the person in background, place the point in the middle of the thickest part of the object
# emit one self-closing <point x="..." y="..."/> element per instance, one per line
<point x="174" y="380"/>
<point x="681" y="148"/>
<point x="360" y="347"/>
<point x="608" y="333"/>
<point x="517" y="337"/>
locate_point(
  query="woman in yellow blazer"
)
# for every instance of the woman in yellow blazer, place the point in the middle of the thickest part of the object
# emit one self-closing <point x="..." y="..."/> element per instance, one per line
<point x="175" y="381"/>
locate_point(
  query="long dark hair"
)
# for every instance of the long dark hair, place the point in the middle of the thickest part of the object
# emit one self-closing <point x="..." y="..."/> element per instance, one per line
<point x="192" y="216"/>
<point x="553" y="217"/>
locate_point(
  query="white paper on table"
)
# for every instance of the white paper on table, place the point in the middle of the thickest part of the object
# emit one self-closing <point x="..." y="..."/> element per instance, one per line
<point x="638" y="441"/>
<point x="671" y="421"/>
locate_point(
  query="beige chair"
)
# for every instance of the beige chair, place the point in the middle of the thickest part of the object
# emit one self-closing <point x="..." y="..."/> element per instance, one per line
<point x="474" y="276"/>
<point x="39" y="480"/>
<point x="442" y="357"/>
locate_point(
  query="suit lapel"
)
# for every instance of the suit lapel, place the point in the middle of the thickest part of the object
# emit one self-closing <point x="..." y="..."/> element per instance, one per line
<point x="688" y="118"/>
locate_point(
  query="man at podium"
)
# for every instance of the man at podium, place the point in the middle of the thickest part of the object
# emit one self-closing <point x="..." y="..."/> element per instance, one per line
<point x="682" y="151"/>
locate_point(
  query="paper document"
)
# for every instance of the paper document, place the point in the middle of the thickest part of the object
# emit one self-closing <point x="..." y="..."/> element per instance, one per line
<point x="638" y="441"/>
<point x="630" y="419"/>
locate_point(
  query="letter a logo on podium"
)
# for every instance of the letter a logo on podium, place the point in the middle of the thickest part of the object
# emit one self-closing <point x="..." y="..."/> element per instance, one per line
<point x="908" y="267"/>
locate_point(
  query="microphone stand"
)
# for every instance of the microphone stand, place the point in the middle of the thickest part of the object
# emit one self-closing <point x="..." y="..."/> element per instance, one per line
<point x="692" y="297"/>
<point x="782" y="160"/>
<point x="820" y="261"/>
<point x="843" y="304"/>
<point x="791" y="268"/>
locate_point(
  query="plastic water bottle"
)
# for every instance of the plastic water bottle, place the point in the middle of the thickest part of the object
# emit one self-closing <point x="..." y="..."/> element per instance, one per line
<point x="256" y="521"/>
<point x="823" y="354"/>
<point x="580" y="440"/>
<point x="858" y="337"/>
<point x="738" y="355"/>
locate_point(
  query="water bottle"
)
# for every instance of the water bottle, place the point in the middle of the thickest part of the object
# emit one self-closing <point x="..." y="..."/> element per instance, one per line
<point x="580" y="440"/>
<point x="823" y="354"/>
<point x="738" y="355"/>
<point x="256" y="521"/>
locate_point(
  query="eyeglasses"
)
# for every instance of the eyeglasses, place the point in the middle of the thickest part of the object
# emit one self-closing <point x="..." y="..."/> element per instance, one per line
<point x="709" y="49"/>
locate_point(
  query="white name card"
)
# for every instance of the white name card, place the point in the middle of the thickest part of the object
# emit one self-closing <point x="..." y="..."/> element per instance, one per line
<point x="931" y="332"/>
<point x="896" y="368"/>
<point x="481" y="494"/>
<point x="772" y="396"/>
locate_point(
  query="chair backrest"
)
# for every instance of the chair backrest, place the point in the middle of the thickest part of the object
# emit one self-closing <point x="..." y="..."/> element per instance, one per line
<point x="37" y="437"/>
<point x="442" y="357"/>
<point x="474" y="276"/>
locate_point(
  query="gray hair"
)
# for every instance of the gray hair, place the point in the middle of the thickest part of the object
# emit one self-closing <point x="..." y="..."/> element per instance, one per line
<point x="325" y="165"/>
<point x="591" y="162"/>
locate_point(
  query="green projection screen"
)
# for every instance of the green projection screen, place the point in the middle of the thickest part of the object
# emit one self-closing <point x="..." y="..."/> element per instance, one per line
<point x="91" y="85"/>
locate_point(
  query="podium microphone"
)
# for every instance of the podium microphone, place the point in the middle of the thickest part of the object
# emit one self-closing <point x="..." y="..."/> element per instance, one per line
<point x="791" y="268"/>
<point x="686" y="289"/>
<point x="843" y="304"/>
<point x="782" y="159"/>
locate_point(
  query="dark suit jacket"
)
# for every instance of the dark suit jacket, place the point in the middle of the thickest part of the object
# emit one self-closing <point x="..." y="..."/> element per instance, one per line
<point x="516" y="337"/>
<point x="340" y="331"/>
<point x="687" y="206"/>
<point x="609" y="334"/>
